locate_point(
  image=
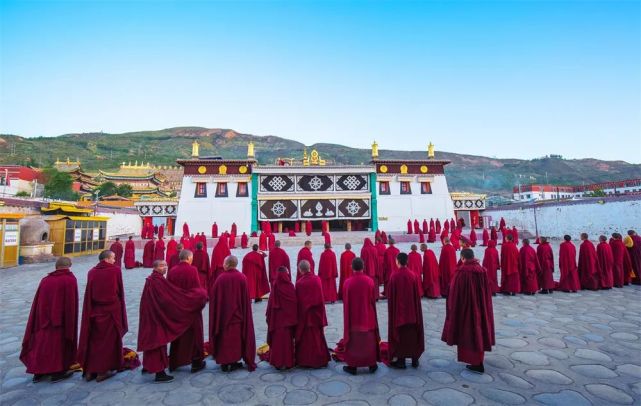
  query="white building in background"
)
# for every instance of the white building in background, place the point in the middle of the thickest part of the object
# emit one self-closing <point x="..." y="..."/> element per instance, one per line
<point x="558" y="192"/>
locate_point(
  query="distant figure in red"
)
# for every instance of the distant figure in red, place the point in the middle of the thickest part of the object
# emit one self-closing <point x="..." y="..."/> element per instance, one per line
<point x="491" y="264"/>
<point x="311" y="347"/>
<point x="588" y="266"/>
<point x="161" y="231"/>
<point x="469" y="316"/>
<point x="171" y="249"/>
<point x="515" y="235"/>
<point x="159" y="250"/>
<point x="635" y="256"/>
<point x="446" y="265"/>
<point x="218" y="255"/>
<point x="234" y="229"/>
<point x="130" y="254"/>
<point x="51" y="336"/>
<point x="244" y="241"/>
<point x="262" y="241"/>
<point x="148" y="253"/>
<point x="117" y="249"/>
<point x="214" y="230"/>
<point x="546" y="263"/>
<point x="346" y="267"/>
<point x="360" y="324"/>
<point x="446" y="225"/>
<point x="431" y="280"/>
<point x="255" y="271"/>
<point x="308" y="228"/>
<point x="493" y="234"/>
<point x="409" y="226"/>
<point x="383" y="237"/>
<point x="529" y="268"/>
<point x="431" y="235"/>
<point x="186" y="230"/>
<point x="328" y="272"/>
<point x="438" y="226"/>
<point x="417" y="227"/>
<point x="605" y="261"/>
<point x="425" y="229"/>
<point x="389" y="263"/>
<point x="456" y="238"/>
<point x="621" y="261"/>
<point x="444" y="235"/>
<point x="201" y="263"/>
<point x="486" y="237"/>
<point x="405" y="316"/>
<point x="175" y="259"/>
<point x="328" y="238"/>
<point x="277" y="258"/>
<point x="569" y="280"/>
<point x="415" y="264"/>
<point x="380" y="246"/>
<point x="282" y="318"/>
<point x="305" y="253"/>
<point x="421" y="238"/>
<point x="104" y="320"/>
<point x="472" y="237"/>
<point x="452" y="224"/>
<point x="231" y="325"/>
<point x="510" y="277"/>
<point x="369" y="255"/>
<point x="502" y="224"/>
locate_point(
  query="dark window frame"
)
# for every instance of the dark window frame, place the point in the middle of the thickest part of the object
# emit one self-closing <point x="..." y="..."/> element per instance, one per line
<point x="409" y="187"/>
<point x="246" y="193"/>
<point x="200" y="194"/>
<point x="219" y="193"/>
<point x="383" y="187"/>
<point x="426" y="190"/>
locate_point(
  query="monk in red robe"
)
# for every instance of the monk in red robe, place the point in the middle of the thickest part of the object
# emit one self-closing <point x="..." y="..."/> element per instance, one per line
<point x="262" y="241"/>
<point x="452" y="224"/>
<point x="271" y="241"/>
<point x="491" y="264"/>
<point x="159" y="249"/>
<point x="231" y="326"/>
<point x="431" y="235"/>
<point x="472" y="237"/>
<point x="515" y="235"/>
<point x="510" y="277"/>
<point x="328" y="238"/>
<point x="187" y="348"/>
<point x="569" y="279"/>
<point x="256" y="274"/>
<point x="130" y="254"/>
<point x="51" y="336"/>
<point x="446" y="266"/>
<point x="502" y="223"/>
<point x="305" y="253"/>
<point x="104" y="320"/>
<point x="166" y="313"/>
<point x="346" y="268"/>
<point x="148" y="253"/>
<point x="172" y="249"/>
<point x="444" y="234"/>
<point x="405" y="316"/>
<point x="431" y="280"/>
<point x="202" y="264"/>
<point x="218" y="255"/>
<point x="546" y="264"/>
<point x="469" y="317"/>
<point x="369" y="255"/>
<point x="421" y="238"/>
<point x="417" y="227"/>
<point x="311" y="347"/>
<point x="605" y="261"/>
<point x="328" y="272"/>
<point x="232" y="241"/>
<point x="383" y="237"/>
<point x="621" y="261"/>
<point x="308" y="228"/>
<point x="486" y="237"/>
<point x="214" y="230"/>
<point x="635" y="256"/>
<point x="409" y="226"/>
<point x="377" y="234"/>
<point x="360" y="324"/>
<point x="244" y="241"/>
<point x="277" y="258"/>
<point x="529" y="268"/>
<point x="117" y="249"/>
<point x="438" y="226"/>
<point x="389" y="263"/>
<point x="424" y="229"/>
<point x="493" y="234"/>
<point x="588" y="267"/>
<point x="175" y="259"/>
<point x="415" y="264"/>
<point x="282" y="319"/>
<point x="381" y="246"/>
<point x="456" y="239"/>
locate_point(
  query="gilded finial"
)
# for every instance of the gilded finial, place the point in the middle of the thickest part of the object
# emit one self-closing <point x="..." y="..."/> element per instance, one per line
<point x="374" y="150"/>
<point x="430" y="150"/>
<point x="250" y="150"/>
<point x="195" y="149"/>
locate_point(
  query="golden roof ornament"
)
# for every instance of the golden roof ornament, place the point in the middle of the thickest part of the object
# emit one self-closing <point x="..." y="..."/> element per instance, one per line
<point x="250" y="150"/>
<point x="305" y="158"/>
<point x="374" y="150"/>
<point x="195" y="149"/>
<point x="430" y="151"/>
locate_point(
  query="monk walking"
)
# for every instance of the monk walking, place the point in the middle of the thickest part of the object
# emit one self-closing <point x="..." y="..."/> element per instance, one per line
<point x="446" y="265"/>
<point x="431" y="280"/>
<point x="546" y="263"/>
<point x="166" y="312"/>
<point x="201" y="263"/>
<point x="282" y="318"/>
<point x="360" y="324"/>
<point x="621" y="265"/>
<point x="231" y="326"/>
<point x="277" y="258"/>
<point x="148" y="253"/>
<point x="605" y="262"/>
<point x="187" y="348"/>
<point x="328" y="272"/>
<point x="569" y="279"/>
<point x="117" y="249"/>
<point x="159" y="249"/>
<point x="529" y="268"/>
<point x="345" y="268"/>
<point x="469" y="317"/>
<point x="104" y="320"/>
<point x="588" y="267"/>
<point x="510" y="278"/>
<point x="130" y="254"/>
<point x="51" y="336"/>
<point x="311" y="347"/>
<point x="256" y="273"/>
<point x="492" y="264"/>
<point x="305" y="253"/>
<point x="405" y="325"/>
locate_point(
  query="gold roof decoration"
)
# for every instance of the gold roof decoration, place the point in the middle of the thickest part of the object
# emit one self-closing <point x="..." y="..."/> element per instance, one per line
<point x="250" y="150"/>
<point x="374" y="150"/>
<point x="430" y="150"/>
<point x="313" y="159"/>
<point x="195" y="149"/>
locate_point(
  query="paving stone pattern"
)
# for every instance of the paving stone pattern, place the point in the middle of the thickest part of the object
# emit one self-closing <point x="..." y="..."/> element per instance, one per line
<point x="560" y="349"/>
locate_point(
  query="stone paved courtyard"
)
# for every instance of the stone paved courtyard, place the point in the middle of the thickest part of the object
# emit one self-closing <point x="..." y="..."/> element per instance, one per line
<point x="560" y="349"/>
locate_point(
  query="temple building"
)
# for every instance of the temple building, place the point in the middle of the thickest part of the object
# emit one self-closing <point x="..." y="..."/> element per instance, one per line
<point x="382" y="194"/>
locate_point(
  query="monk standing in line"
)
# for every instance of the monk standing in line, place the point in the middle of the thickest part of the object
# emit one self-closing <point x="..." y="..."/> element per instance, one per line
<point x="328" y="272"/>
<point x="546" y="263"/>
<point x="622" y="264"/>
<point x="431" y="280"/>
<point x="469" y="317"/>
<point x="311" y="347"/>
<point x="148" y="253"/>
<point x="415" y="264"/>
<point x="345" y="268"/>
<point x="218" y="255"/>
<point x="130" y="254"/>
<point x="510" y="278"/>
<point x="175" y="259"/>
<point x="446" y="265"/>
<point x="405" y="325"/>
<point x="635" y="256"/>
<point x="605" y="261"/>
<point x="305" y="253"/>
<point x="51" y="336"/>
<point x="159" y="249"/>
<point x="369" y="255"/>
<point x="588" y="266"/>
<point x="117" y="249"/>
<point x="529" y="268"/>
<point x="360" y="324"/>
<point x="282" y="318"/>
<point x="231" y="325"/>
<point x="172" y="249"/>
<point x="256" y="273"/>
<point x="569" y="279"/>
<point x="492" y="264"/>
<point x="201" y="263"/>
<point x="277" y="258"/>
<point x="389" y="263"/>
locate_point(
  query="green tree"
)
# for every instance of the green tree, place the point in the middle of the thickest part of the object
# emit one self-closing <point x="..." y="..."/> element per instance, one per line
<point x="106" y="189"/>
<point x="58" y="185"/>
<point x="22" y="193"/>
<point x="124" y="190"/>
<point x="598" y="193"/>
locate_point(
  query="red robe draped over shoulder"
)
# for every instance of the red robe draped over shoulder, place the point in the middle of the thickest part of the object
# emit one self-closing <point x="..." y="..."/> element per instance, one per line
<point x="311" y="347"/>
<point x="360" y="325"/>
<point x="255" y="271"/>
<point x="417" y="227"/>
<point x="214" y="230"/>
<point x="278" y="257"/>
<point x="405" y="316"/>
<point x="605" y="261"/>
<point x="148" y="254"/>
<point x="159" y="250"/>
<point x="409" y="226"/>
<point x="244" y="241"/>
<point x="510" y="277"/>
<point x="424" y="229"/>
<point x="172" y="248"/>
<point x="282" y="318"/>
<point x="529" y="269"/>
<point x="202" y="264"/>
<point x="51" y="336"/>
<point x="415" y="264"/>
<point x="486" y="237"/>
<point x="588" y="267"/>
<point x="130" y="254"/>
<point x="446" y="267"/>
<point x="369" y="255"/>
<point x="431" y="279"/>
<point x="117" y="249"/>
<point x="345" y="270"/>
<point x="491" y="264"/>
<point x="621" y="265"/>
<point x="389" y="264"/>
<point x="305" y="254"/>
<point x="218" y="255"/>
<point x="546" y="263"/>
<point x="308" y="228"/>
<point x="262" y="241"/>
<point x="569" y="279"/>
<point x="328" y="272"/>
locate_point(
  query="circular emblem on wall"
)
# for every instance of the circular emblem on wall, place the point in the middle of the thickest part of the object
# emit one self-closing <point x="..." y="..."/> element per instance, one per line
<point x="403" y="169"/>
<point x="424" y="169"/>
<point x="202" y="169"/>
<point x="222" y="170"/>
<point x="242" y="169"/>
<point x="383" y="168"/>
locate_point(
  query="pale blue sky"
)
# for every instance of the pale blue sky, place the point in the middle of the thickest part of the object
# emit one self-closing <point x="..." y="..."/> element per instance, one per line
<point x="507" y="79"/>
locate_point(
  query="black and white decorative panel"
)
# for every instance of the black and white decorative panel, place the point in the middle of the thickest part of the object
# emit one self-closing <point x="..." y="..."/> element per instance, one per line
<point x="353" y="208"/>
<point x="317" y="209"/>
<point x="278" y="210"/>
<point x="352" y="183"/>
<point x="277" y="183"/>
<point x="315" y="183"/>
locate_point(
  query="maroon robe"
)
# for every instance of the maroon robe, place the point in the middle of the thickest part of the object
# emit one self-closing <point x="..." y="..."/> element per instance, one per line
<point x="256" y="273"/>
<point x="417" y="228"/>
<point x="104" y="320"/>
<point x="405" y="315"/>
<point x="232" y="241"/>
<point x="369" y="255"/>
<point x="231" y="326"/>
<point x="493" y="234"/>
<point x="214" y="230"/>
<point x="431" y="280"/>
<point x="262" y="241"/>
<point x="360" y="324"/>
<point x="148" y="254"/>
<point x="218" y="255"/>
<point x="305" y="253"/>
<point x="446" y="267"/>
<point x="491" y="264"/>
<point x="515" y="235"/>
<point x="328" y="272"/>
<point x="438" y="226"/>
<point x="383" y="237"/>
<point x="409" y="226"/>
<point x="166" y="313"/>
<point x="244" y="241"/>
<point x="546" y="263"/>
<point x="605" y="261"/>
<point x="186" y="230"/>
<point x="389" y="264"/>
<point x="473" y="237"/>
<point x="234" y="229"/>
<point x="189" y="346"/>
<point x="282" y="318"/>
<point x="415" y="264"/>
<point x="529" y="269"/>
<point x="431" y="236"/>
<point x="452" y="224"/>
<point x="51" y="336"/>
<point x="159" y="250"/>
<point x="510" y="277"/>
<point x="130" y="255"/>
<point x="469" y="317"/>
<point x="308" y="228"/>
<point x="278" y="257"/>
<point x="201" y="263"/>
<point x="345" y="270"/>
<point x="116" y="248"/>
<point x="271" y="241"/>
<point x="569" y="279"/>
<point x="588" y="267"/>
<point x="380" y="249"/>
<point x="621" y="262"/>
<point x="421" y="238"/>
<point x="161" y="231"/>
<point x="425" y="229"/>
<point x="328" y="238"/>
<point x="311" y="347"/>
<point x="172" y="248"/>
<point x="486" y="237"/>
<point x="635" y="258"/>
<point x="502" y="223"/>
<point x="173" y="261"/>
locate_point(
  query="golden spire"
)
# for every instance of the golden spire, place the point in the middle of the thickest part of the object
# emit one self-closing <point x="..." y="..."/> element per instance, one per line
<point x="374" y="150"/>
<point x="430" y="151"/>
<point x="194" y="149"/>
<point x="250" y="150"/>
<point x="305" y="158"/>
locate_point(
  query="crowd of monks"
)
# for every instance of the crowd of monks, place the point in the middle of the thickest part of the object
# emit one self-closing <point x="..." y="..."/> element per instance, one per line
<point x="184" y="279"/>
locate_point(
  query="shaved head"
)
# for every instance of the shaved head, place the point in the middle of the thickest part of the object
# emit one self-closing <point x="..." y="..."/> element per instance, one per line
<point x="63" y="262"/>
<point x="231" y="262"/>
